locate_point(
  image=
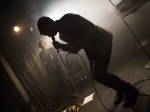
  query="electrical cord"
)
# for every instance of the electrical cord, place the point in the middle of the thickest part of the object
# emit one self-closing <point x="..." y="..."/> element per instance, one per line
<point x="69" y="67"/>
<point x="67" y="60"/>
<point x="92" y="83"/>
<point x="95" y="87"/>
<point x="144" y="79"/>
<point x="53" y="39"/>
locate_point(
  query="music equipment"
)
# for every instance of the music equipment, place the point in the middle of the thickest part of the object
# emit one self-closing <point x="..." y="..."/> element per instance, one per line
<point x="74" y="108"/>
<point x="126" y="7"/>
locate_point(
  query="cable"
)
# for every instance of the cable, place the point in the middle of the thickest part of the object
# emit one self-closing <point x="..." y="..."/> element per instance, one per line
<point x="64" y="63"/>
<point x="93" y="84"/>
<point x="95" y="87"/>
<point x="53" y="39"/>
<point x="132" y="32"/>
<point x="67" y="60"/>
<point x="144" y="79"/>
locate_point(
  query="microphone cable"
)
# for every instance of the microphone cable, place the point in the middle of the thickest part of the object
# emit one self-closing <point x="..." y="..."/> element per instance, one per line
<point x="93" y="84"/>
<point x="144" y="79"/>
<point x="69" y="67"/>
<point x="53" y="39"/>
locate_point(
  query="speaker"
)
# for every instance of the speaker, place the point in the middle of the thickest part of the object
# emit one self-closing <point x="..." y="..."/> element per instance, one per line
<point x="126" y="7"/>
<point x="80" y="77"/>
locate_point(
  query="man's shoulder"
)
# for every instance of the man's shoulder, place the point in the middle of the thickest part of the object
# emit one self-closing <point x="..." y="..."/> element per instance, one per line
<point x="69" y="15"/>
<point x="52" y="49"/>
<point x="40" y="53"/>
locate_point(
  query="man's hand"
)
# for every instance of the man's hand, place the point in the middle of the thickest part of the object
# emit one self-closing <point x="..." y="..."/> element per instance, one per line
<point x="58" y="55"/>
<point x="56" y="45"/>
<point x="74" y="50"/>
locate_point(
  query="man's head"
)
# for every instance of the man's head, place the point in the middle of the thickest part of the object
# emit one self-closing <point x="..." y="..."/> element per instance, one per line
<point x="42" y="44"/>
<point x="46" y="26"/>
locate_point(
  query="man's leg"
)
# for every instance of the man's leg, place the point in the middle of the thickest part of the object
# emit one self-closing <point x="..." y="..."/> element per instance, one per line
<point x="105" y="78"/>
<point x="99" y="66"/>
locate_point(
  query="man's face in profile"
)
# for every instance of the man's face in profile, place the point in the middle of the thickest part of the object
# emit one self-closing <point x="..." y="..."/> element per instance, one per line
<point x="49" y="31"/>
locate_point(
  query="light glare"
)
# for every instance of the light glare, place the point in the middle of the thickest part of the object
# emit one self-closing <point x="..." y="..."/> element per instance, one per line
<point x="16" y="29"/>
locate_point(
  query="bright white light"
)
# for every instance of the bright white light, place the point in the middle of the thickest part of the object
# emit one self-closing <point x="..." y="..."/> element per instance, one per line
<point x="85" y="77"/>
<point x="88" y="99"/>
<point x="31" y="29"/>
<point x="99" y="12"/>
<point x="16" y="29"/>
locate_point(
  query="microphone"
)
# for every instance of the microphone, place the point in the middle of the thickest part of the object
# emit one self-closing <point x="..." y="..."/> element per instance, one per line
<point x="53" y="38"/>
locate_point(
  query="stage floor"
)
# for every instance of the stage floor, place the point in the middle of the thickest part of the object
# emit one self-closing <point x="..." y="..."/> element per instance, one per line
<point x="131" y="68"/>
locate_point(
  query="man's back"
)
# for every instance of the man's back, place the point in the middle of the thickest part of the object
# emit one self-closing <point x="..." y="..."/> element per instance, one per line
<point x="78" y="31"/>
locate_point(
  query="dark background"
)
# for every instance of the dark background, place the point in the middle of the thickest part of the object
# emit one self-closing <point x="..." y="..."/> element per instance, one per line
<point x="21" y="50"/>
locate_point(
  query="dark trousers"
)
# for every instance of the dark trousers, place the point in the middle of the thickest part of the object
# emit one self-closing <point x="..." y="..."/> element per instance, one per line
<point x="99" y="65"/>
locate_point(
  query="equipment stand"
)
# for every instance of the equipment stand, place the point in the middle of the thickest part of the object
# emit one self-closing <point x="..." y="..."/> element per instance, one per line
<point x="148" y="65"/>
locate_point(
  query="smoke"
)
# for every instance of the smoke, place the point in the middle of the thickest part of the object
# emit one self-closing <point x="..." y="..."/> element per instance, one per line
<point x="100" y="12"/>
<point x="97" y="11"/>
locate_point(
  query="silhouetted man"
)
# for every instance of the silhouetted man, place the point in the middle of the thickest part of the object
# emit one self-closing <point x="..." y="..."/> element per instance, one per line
<point x="80" y="33"/>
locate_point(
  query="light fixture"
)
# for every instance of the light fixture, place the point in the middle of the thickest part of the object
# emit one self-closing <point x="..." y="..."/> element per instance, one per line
<point x="16" y="29"/>
<point x="31" y="29"/>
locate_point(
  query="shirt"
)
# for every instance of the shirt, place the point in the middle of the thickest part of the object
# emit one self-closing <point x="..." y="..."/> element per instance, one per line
<point x="78" y="31"/>
<point x="50" y="59"/>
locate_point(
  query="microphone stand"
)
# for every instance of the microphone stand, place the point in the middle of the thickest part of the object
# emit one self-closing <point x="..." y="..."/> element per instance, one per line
<point x="148" y="65"/>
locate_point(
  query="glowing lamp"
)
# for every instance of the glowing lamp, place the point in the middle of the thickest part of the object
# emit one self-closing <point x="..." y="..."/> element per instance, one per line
<point x="16" y="29"/>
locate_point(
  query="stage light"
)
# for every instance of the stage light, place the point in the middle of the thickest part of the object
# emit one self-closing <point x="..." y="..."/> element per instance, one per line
<point x="16" y="29"/>
<point x="31" y="29"/>
<point x="85" y="77"/>
<point x="126" y="7"/>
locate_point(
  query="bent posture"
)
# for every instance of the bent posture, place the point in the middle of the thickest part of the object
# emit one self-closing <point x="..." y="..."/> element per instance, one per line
<point x="80" y="33"/>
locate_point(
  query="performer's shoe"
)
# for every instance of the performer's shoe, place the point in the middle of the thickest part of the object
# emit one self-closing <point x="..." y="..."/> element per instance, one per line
<point x="119" y="97"/>
<point x="75" y="95"/>
<point x="131" y="95"/>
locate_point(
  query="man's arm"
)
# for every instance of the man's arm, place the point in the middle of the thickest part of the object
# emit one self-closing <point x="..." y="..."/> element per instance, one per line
<point x="82" y="29"/>
<point x="73" y="49"/>
<point x="64" y="47"/>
